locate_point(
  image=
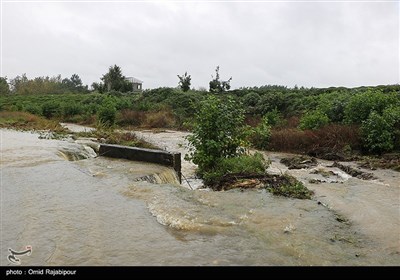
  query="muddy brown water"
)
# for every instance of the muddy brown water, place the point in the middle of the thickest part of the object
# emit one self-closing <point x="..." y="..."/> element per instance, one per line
<point x="101" y="211"/>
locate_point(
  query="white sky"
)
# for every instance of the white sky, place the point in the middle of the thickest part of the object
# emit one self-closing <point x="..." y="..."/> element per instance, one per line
<point x="318" y="44"/>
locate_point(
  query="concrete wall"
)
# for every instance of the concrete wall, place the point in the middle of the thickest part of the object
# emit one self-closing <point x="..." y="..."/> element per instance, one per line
<point x="139" y="154"/>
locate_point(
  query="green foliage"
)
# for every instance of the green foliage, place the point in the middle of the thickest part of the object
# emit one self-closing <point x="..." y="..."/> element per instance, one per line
<point x="251" y="99"/>
<point x="184" y="82"/>
<point x="273" y="117"/>
<point x="115" y="80"/>
<point x="98" y="87"/>
<point x="313" y="120"/>
<point x="217" y="86"/>
<point x="47" y="85"/>
<point x="361" y="105"/>
<point x="392" y="115"/>
<point x="33" y="109"/>
<point x="4" y="87"/>
<point x="51" y="109"/>
<point x="291" y="187"/>
<point x="218" y="132"/>
<point x="244" y="164"/>
<point x="70" y="109"/>
<point x="107" y="112"/>
<point x="381" y="133"/>
<point x="261" y="134"/>
<point x="270" y="100"/>
<point x="74" y="84"/>
<point x="333" y="105"/>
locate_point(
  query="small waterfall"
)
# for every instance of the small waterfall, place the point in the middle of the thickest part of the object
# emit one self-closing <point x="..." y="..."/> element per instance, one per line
<point x="77" y="153"/>
<point x="168" y="176"/>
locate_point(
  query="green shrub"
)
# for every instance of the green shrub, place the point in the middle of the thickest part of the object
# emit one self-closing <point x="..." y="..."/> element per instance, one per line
<point x="333" y="105"/>
<point x="377" y="133"/>
<point x="70" y="109"/>
<point x="51" y="109"/>
<point x="261" y="134"/>
<point x="251" y="99"/>
<point x="273" y="117"/>
<point x="392" y="115"/>
<point x="244" y="164"/>
<point x="313" y="120"/>
<point x="218" y="132"/>
<point x="107" y="112"/>
<point x="361" y="105"/>
<point x="33" y="109"/>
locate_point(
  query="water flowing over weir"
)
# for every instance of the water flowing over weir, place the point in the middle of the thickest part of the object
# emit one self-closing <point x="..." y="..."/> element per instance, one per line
<point x="105" y="211"/>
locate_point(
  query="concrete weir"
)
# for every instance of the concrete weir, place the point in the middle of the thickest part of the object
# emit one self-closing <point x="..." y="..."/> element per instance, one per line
<point x="147" y="155"/>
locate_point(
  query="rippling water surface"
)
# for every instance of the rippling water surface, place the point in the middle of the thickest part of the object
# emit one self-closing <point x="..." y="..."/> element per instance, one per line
<point x="98" y="211"/>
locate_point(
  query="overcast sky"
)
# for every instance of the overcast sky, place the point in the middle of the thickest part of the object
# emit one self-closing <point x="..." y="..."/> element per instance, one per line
<point x="318" y="44"/>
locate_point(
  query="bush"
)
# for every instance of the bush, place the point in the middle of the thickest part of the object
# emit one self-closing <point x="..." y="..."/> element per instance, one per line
<point x="273" y="117"/>
<point x="50" y="109"/>
<point x="251" y="99"/>
<point x="33" y="109"/>
<point x="261" y="134"/>
<point x="361" y="105"/>
<point x="218" y="132"/>
<point x="377" y="132"/>
<point x="392" y="115"/>
<point x="313" y="120"/>
<point x="107" y="112"/>
<point x="244" y="164"/>
<point x="70" y="109"/>
<point x="333" y="105"/>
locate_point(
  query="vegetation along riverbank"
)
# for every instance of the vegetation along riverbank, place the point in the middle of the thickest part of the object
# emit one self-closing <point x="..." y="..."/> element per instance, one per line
<point x="339" y="124"/>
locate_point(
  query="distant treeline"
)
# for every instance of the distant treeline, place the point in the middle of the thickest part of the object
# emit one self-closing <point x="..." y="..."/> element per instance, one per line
<point x="42" y="85"/>
<point x="301" y="119"/>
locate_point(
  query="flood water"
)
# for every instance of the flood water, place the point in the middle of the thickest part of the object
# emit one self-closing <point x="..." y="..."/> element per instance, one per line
<point x="88" y="210"/>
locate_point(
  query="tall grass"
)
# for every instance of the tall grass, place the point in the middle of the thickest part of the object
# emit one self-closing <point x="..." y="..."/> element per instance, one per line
<point x="331" y="138"/>
<point x="27" y="121"/>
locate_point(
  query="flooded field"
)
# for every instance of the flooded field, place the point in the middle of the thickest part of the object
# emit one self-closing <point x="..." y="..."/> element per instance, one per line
<point x="89" y="210"/>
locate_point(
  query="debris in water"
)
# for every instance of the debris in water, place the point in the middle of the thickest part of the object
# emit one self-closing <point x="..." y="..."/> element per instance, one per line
<point x="299" y="162"/>
<point x="283" y="185"/>
<point x="324" y="173"/>
<point x="354" y="172"/>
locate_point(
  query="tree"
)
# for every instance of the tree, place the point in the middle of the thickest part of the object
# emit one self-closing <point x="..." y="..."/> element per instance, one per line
<point x="98" y="87"/>
<point x="115" y="80"/>
<point x="4" y="87"/>
<point x="217" y="86"/>
<point x="73" y="84"/>
<point x="76" y="81"/>
<point x="219" y="132"/>
<point x="184" y="82"/>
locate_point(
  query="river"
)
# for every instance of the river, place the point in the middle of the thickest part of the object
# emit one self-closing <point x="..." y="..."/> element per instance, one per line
<point x="99" y="211"/>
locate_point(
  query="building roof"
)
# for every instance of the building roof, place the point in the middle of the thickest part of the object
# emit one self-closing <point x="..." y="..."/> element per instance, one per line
<point x="134" y="80"/>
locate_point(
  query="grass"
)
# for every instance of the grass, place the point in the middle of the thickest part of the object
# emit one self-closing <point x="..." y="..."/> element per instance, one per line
<point x="280" y="185"/>
<point x="386" y="161"/>
<point x="111" y="136"/>
<point x="27" y="121"/>
<point x="290" y="187"/>
<point x="332" y="138"/>
<point x="244" y="164"/>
